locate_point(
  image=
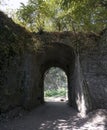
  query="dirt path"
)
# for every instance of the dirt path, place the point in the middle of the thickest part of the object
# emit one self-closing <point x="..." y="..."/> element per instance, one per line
<point x="57" y="116"/>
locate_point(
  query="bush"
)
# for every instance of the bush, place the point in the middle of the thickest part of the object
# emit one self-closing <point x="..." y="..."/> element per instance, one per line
<point x="55" y="92"/>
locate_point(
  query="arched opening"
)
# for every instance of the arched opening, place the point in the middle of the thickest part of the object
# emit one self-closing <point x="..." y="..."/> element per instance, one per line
<point x="55" y="85"/>
<point x="64" y="57"/>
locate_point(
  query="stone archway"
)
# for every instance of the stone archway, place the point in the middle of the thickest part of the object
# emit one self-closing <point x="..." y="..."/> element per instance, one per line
<point x="64" y="57"/>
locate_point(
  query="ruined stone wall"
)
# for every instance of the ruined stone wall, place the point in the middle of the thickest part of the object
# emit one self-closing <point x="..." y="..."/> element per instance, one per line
<point x="94" y="66"/>
<point x="14" y="42"/>
<point x="21" y="57"/>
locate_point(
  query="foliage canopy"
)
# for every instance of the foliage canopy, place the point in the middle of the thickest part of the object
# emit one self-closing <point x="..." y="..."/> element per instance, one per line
<point x="64" y="15"/>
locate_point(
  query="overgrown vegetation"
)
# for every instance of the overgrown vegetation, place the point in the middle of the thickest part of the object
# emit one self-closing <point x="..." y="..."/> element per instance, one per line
<point x="64" y="15"/>
<point x="61" y="92"/>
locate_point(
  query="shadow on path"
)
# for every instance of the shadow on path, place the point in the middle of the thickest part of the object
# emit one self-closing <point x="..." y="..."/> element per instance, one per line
<point x="57" y="116"/>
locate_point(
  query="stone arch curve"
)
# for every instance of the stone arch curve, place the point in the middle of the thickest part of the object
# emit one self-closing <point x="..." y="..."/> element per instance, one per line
<point x="64" y="57"/>
<point x="61" y="56"/>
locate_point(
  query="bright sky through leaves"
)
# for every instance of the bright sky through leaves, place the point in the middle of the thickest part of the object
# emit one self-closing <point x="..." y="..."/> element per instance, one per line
<point x="11" y="4"/>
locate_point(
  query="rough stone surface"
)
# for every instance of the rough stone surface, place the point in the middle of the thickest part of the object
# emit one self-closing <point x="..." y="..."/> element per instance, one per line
<point x="94" y="65"/>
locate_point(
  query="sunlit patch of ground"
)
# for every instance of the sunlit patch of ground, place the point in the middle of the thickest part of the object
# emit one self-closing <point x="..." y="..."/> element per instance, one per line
<point x="56" y="99"/>
<point x="57" y="116"/>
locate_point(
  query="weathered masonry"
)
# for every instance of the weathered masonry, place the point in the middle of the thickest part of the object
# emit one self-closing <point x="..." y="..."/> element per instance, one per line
<point x="25" y="57"/>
